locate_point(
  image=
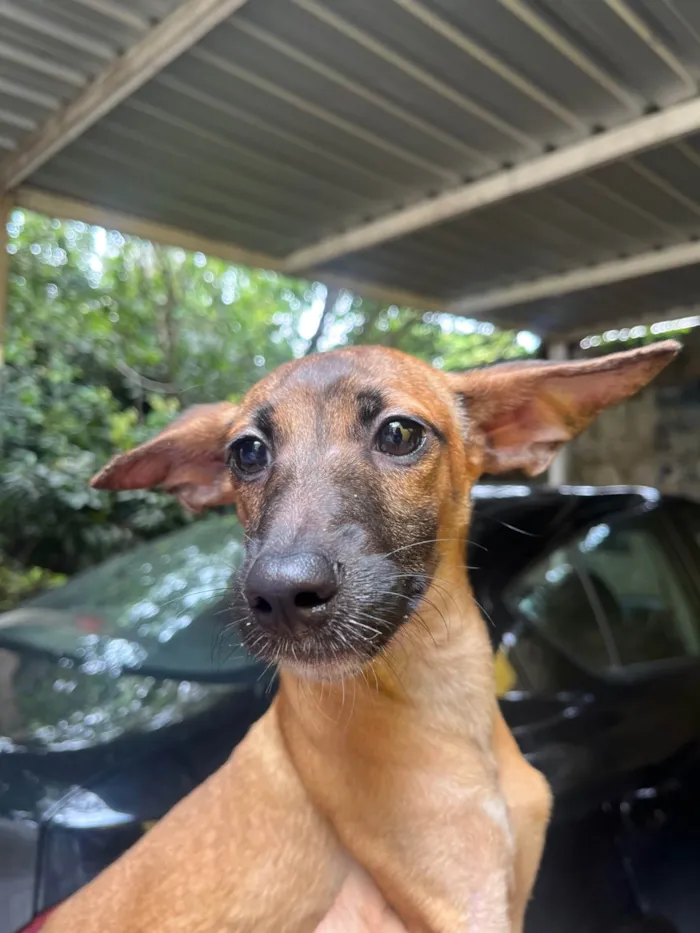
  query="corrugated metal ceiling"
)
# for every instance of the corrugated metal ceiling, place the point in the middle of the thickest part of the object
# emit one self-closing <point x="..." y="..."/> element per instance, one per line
<point x="297" y="119"/>
<point x="51" y="49"/>
<point x="640" y="204"/>
<point x="622" y="304"/>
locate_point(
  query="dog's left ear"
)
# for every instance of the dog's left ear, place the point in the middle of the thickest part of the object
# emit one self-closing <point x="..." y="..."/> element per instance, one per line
<point x="188" y="459"/>
<point x="524" y="412"/>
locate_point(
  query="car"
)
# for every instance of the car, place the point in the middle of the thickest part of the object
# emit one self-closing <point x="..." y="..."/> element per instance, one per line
<point x="123" y="689"/>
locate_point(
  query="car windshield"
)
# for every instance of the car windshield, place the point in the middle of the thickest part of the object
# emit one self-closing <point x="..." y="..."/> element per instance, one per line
<point x="162" y="608"/>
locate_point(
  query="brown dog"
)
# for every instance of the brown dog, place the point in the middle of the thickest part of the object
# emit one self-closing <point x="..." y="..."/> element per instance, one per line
<point x="384" y="758"/>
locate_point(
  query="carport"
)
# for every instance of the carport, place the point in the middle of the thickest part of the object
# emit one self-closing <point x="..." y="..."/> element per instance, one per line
<point x="534" y="163"/>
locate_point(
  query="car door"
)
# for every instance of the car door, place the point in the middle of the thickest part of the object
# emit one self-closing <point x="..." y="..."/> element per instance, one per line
<point x="605" y="698"/>
<point x="662" y="820"/>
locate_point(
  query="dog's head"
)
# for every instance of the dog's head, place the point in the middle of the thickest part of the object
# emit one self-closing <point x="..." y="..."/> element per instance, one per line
<point x="351" y="472"/>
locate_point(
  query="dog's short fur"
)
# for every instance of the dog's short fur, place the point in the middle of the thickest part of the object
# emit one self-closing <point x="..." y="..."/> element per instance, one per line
<point x="384" y="753"/>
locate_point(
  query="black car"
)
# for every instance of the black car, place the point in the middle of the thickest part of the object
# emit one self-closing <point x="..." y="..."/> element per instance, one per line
<point x="124" y="689"/>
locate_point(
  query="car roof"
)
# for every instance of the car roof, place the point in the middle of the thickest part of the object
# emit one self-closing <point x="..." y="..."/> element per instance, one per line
<point x="487" y="496"/>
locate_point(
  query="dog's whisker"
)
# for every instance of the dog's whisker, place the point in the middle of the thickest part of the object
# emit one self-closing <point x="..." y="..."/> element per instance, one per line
<point x="209" y="591"/>
<point x="354" y="700"/>
<point x="266" y="669"/>
<point x="368" y="628"/>
<point x="305" y="688"/>
<point x="520" y="531"/>
<point x="342" y="687"/>
<point x="483" y="611"/>
<point x="387" y="660"/>
<point x="416" y="615"/>
<point x="406" y="547"/>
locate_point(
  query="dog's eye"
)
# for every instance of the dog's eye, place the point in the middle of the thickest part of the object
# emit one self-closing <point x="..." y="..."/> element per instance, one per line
<point x="249" y="455"/>
<point x="400" y="437"/>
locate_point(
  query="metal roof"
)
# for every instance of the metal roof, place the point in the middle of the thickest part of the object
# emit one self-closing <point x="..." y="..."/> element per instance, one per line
<point x="533" y="162"/>
<point x="50" y="50"/>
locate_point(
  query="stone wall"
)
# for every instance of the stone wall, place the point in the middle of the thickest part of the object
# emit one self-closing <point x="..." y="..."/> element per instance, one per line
<point x="651" y="440"/>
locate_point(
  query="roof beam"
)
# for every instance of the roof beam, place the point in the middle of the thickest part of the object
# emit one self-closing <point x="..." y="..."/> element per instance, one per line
<point x="593" y="152"/>
<point x="629" y="322"/>
<point x="174" y="35"/>
<point x="43" y="202"/>
<point x="606" y="273"/>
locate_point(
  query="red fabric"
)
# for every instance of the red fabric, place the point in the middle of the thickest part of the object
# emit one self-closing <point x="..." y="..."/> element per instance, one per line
<point x="37" y="923"/>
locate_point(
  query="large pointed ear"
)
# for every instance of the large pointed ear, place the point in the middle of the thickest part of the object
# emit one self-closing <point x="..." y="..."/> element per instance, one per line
<point x="524" y="412"/>
<point x="188" y="459"/>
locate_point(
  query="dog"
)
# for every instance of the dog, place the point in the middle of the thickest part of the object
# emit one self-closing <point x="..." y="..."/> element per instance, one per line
<point x="383" y="769"/>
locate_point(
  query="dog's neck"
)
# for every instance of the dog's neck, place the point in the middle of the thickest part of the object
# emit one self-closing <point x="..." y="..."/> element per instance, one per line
<point x="437" y="672"/>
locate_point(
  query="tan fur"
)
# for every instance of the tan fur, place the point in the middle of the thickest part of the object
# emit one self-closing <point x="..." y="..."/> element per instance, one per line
<point x="402" y="782"/>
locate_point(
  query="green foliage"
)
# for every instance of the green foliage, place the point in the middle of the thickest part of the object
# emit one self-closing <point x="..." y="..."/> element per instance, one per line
<point x="18" y="583"/>
<point x="440" y="339"/>
<point x="109" y="337"/>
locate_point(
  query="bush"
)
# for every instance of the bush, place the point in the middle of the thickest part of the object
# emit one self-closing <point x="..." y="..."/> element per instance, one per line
<point x="18" y="583"/>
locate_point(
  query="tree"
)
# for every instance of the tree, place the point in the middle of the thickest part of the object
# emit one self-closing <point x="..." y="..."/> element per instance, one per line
<point x="443" y="340"/>
<point x="109" y="336"/>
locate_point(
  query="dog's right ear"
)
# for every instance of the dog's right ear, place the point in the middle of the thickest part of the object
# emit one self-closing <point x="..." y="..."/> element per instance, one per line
<point x="188" y="459"/>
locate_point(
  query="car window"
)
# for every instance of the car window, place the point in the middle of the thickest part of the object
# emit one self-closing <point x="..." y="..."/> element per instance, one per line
<point x="553" y="596"/>
<point x="612" y="598"/>
<point x="647" y="608"/>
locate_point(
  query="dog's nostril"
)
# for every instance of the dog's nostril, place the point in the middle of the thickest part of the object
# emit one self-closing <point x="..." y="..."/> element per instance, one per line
<point x="291" y="592"/>
<point x="309" y="600"/>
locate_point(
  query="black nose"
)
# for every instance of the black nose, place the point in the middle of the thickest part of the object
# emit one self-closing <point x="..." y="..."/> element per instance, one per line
<point x="291" y="592"/>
